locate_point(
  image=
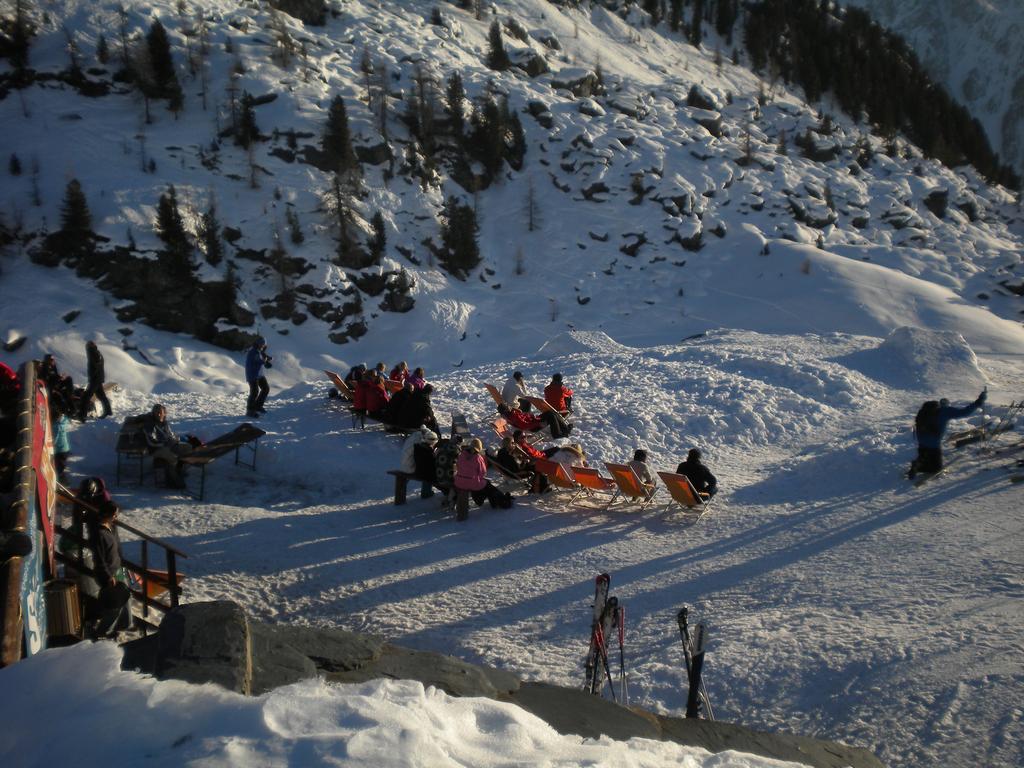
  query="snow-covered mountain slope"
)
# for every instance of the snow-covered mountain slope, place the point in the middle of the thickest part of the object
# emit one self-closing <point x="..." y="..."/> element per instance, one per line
<point x="658" y="204"/>
<point x="974" y="48"/>
<point x="822" y="301"/>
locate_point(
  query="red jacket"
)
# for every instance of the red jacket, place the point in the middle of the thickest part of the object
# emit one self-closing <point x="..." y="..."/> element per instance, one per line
<point x="529" y="450"/>
<point x="525" y="421"/>
<point x="359" y="397"/>
<point x="397" y="374"/>
<point x="555" y="395"/>
<point x="376" y="397"/>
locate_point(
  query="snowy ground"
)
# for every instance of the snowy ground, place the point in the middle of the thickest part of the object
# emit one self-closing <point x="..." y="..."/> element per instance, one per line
<point x="841" y="602"/>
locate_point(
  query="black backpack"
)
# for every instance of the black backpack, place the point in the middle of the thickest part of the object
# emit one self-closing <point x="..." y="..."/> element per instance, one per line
<point x="926" y="422"/>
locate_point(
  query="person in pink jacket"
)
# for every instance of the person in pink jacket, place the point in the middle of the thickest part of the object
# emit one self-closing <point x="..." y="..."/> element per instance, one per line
<point x="471" y="476"/>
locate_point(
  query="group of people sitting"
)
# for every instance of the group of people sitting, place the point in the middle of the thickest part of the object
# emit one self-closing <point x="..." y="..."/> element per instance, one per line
<point x="451" y="464"/>
<point x="408" y="408"/>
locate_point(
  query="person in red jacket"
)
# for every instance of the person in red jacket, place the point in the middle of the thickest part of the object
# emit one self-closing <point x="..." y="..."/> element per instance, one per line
<point x="557" y="395"/>
<point x="400" y="372"/>
<point x="528" y="422"/>
<point x="359" y="394"/>
<point x="375" y="396"/>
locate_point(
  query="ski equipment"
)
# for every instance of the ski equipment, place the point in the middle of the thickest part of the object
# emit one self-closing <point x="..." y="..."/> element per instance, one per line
<point x="693" y="653"/>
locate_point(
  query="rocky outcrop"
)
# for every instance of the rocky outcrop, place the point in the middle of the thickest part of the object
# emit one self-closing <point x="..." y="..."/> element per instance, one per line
<point x="215" y="642"/>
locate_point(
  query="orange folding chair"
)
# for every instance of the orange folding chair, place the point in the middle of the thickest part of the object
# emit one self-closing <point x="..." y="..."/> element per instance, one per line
<point x="495" y="394"/>
<point x="340" y="385"/>
<point x="592" y="481"/>
<point x="684" y="494"/>
<point x="502" y="428"/>
<point x="392" y="386"/>
<point x="629" y="486"/>
<point x="558" y="476"/>
<point x="543" y="406"/>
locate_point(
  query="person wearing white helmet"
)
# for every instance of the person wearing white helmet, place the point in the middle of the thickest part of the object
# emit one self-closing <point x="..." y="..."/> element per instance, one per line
<point x="255" y="361"/>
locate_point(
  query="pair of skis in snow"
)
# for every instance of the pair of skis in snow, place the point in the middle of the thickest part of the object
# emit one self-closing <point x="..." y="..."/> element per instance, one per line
<point x="608" y="617"/>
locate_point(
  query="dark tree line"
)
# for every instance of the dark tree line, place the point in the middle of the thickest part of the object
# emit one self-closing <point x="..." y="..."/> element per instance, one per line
<point x="870" y="71"/>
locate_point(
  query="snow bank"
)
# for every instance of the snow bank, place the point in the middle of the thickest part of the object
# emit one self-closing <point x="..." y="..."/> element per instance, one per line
<point x="132" y="719"/>
<point x="917" y="359"/>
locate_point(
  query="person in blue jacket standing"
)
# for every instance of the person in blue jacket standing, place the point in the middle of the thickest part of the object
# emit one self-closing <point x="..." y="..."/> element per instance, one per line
<point x="929" y="427"/>
<point x="255" y="361"/>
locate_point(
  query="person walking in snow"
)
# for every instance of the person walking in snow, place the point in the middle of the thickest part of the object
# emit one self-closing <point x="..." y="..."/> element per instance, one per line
<point x="700" y="476"/>
<point x="97" y="377"/>
<point x="929" y="427"/>
<point x="256" y="359"/>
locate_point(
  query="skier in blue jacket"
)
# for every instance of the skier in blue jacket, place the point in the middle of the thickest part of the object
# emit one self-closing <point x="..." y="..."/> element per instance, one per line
<point x="255" y="361"/>
<point x="929" y="427"/>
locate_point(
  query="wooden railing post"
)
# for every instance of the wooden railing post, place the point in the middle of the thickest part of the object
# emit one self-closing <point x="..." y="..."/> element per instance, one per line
<point x="172" y="577"/>
<point x="145" y="581"/>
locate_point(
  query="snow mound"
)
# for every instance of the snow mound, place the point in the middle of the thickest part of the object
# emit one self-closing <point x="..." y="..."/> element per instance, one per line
<point x="573" y="342"/>
<point x="919" y="359"/>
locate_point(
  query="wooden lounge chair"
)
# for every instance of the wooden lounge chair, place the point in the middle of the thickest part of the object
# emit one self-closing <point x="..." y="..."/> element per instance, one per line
<point x="495" y="394"/>
<point x="629" y="486"/>
<point x="684" y="494"/>
<point x="341" y="386"/>
<point x="559" y="476"/>
<point x="244" y="436"/>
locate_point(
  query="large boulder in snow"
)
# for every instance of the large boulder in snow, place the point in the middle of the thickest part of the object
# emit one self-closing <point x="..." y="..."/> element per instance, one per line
<point x="938" y="363"/>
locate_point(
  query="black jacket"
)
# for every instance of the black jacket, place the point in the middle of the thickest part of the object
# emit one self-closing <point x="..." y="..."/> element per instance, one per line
<point x="95" y="365"/>
<point x="108" y="555"/>
<point x="699" y="475"/>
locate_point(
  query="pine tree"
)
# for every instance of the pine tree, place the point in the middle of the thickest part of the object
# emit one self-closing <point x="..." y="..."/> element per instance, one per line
<point x="165" y="83"/>
<point x="170" y="228"/>
<point x="337" y="140"/>
<point x="455" y="96"/>
<point x="209" y="235"/>
<point x="696" y="20"/>
<point x="378" y="241"/>
<point x="458" y="233"/>
<point x="294" y="228"/>
<point x="14" y="166"/>
<point x="497" y="56"/>
<point x="675" y="15"/>
<point x="247" y="131"/>
<point x="75" y="219"/>
<point x="21" y="32"/>
<point x="102" y="49"/>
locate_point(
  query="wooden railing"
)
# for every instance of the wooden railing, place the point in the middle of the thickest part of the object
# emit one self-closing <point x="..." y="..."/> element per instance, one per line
<point x="153" y="585"/>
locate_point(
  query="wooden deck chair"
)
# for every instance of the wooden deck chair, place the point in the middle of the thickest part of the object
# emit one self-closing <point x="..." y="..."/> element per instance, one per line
<point x="592" y="481"/>
<point x="502" y="428"/>
<point x="341" y="386"/>
<point x="558" y="476"/>
<point x="495" y="394"/>
<point x="684" y="494"/>
<point x="629" y="486"/>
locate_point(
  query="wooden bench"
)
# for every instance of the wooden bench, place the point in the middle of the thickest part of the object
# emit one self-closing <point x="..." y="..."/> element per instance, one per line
<point x="131" y="446"/>
<point x="245" y="436"/>
<point x="402" y="486"/>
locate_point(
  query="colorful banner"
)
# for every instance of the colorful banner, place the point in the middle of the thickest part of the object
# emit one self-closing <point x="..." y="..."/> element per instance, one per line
<point x="46" y="474"/>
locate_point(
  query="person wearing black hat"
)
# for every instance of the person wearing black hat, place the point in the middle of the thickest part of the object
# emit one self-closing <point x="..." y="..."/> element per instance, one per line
<point x="255" y="361"/>
<point x="700" y="476"/>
